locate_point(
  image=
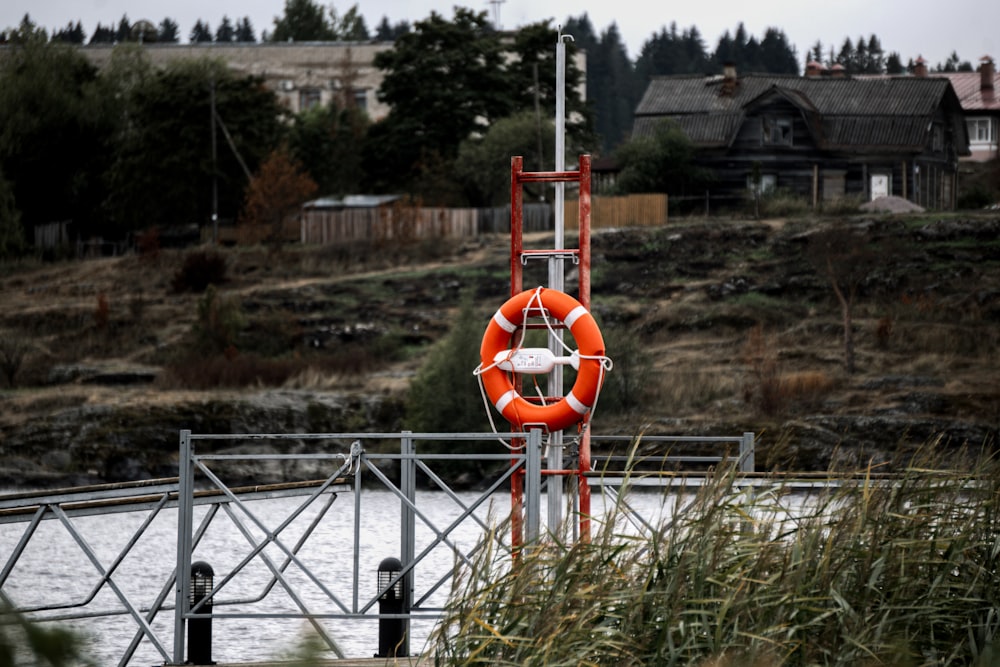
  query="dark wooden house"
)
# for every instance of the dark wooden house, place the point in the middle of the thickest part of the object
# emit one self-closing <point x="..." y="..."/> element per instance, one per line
<point x="822" y="137"/>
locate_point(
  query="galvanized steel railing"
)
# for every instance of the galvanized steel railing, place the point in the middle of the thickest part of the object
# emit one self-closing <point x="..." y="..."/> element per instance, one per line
<point x="202" y="482"/>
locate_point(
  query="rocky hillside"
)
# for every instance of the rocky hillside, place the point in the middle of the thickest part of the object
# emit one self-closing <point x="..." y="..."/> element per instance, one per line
<point x="716" y="326"/>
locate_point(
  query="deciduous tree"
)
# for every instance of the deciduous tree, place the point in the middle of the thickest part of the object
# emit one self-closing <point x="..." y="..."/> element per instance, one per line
<point x="845" y="257"/>
<point x="444" y="81"/>
<point x="327" y="141"/>
<point x="277" y="190"/>
<point x="663" y="162"/>
<point x="163" y="171"/>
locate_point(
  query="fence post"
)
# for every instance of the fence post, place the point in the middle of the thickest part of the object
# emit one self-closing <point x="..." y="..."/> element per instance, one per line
<point x="408" y="486"/>
<point x="533" y="485"/>
<point x="185" y="522"/>
<point x="747" y="463"/>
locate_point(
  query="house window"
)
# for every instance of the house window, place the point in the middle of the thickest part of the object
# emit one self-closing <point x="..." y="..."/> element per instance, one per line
<point x="768" y="182"/>
<point x="361" y="98"/>
<point x="776" y="131"/>
<point x="982" y="131"/>
<point x="309" y="98"/>
<point x="937" y="138"/>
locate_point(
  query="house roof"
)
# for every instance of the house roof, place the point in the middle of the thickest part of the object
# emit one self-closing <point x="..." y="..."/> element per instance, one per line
<point x="969" y="88"/>
<point x="888" y="114"/>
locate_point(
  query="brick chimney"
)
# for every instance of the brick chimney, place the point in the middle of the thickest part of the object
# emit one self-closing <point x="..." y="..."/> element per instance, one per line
<point x="920" y="67"/>
<point x="729" y="81"/>
<point x="986" y="73"/>
<point x="814" y="68"/>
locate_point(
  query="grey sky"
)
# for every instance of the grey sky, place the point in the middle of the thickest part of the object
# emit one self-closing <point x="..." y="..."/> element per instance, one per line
<point x="919" y="27"/>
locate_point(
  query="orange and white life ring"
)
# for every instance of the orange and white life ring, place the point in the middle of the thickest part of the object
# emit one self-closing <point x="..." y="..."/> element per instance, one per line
<point x="498" y="361"/>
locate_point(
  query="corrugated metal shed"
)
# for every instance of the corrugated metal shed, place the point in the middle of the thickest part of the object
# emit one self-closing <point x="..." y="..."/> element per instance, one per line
<point x="351" y="201"/>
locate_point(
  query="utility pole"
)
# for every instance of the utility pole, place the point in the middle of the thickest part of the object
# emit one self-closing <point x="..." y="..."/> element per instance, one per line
<point x="215" y="170"/>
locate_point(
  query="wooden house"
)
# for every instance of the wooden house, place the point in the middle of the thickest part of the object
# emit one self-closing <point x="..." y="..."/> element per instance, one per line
<point x="821" y="137"/>
<point x="979" y="94"/>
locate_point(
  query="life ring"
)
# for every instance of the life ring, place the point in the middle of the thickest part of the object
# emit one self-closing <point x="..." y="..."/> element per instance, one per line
<point x="590" y="360"/>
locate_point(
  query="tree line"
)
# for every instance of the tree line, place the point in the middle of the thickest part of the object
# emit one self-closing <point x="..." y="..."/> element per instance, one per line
<point x="126" y="148"/>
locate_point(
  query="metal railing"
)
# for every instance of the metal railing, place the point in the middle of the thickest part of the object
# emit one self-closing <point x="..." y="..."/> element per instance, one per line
<point x="355" y="463"/>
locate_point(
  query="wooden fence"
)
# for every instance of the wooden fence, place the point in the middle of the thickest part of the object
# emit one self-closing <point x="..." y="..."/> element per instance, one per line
<point x="398" y="223"/>
<point x="628" y="211"/>
<point x="378" y="225"/>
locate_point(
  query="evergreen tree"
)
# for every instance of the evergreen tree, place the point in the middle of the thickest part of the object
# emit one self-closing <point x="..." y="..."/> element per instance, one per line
<point x="815" y="53"/>
<point x="168" y="31"/>
<point x="894" y="64"/>
<point x="350" y="27"/>
<point x="845" y="58"/>
<point x="102" y="35"/>
<point x="225" y="33"/>
<point x="876" y="57"/>
<point x="303" y="21"/>
<point x="389" y="33"/>
<point x="244" y="31"/>
<point x="200" y="33"/>
<point x="328" y="140"/>
<point x="124" y="30"/>
<point x="615" y="76"/>
<point x="777" y="55"/>
<point x="71" y="34"/>
<point x="27" y="32"/>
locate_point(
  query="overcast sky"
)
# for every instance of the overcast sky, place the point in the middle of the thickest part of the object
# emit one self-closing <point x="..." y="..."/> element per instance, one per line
<point x="930" y="28"/>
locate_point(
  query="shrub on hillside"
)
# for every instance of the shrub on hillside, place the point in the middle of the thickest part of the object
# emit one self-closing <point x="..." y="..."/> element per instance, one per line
<point x="201" y="268"/>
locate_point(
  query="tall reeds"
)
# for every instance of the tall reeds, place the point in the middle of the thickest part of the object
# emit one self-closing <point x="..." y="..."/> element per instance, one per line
<point x="872" y="570"/>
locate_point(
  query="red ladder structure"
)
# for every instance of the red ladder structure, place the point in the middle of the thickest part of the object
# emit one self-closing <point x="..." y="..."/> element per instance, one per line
<point x="518" y="258"/>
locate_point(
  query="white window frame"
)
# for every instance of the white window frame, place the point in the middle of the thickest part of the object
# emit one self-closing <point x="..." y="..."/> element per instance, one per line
<point x="776" y="130"/>
<point x="982" y="130"/>
<point x="768" y="183"/>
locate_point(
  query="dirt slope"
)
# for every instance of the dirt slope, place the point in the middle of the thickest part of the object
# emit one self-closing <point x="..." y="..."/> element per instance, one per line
<point x="717" y="327"/>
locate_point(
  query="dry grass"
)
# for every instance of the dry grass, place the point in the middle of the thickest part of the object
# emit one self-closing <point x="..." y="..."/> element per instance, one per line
<point x="867" y="573"/>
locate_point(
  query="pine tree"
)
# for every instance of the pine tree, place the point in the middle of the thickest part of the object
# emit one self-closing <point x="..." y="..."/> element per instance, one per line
<point x="168" y="32"/>
<point x="244" y="31"/>
<point x="200" y="32"/>
<point x="225" y="33"/>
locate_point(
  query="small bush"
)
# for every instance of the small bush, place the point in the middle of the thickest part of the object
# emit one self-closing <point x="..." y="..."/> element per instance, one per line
<point x="147" y="244"/>
<point x="233" y="371"/>
<point x="219" y="322"/>
<point x="201" y="268"/>
<point x="13" y="349"/>
<point x="764" y="387"/>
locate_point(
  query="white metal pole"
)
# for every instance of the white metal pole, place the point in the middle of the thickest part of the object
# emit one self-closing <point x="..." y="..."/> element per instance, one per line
<point x="554" y="486"/>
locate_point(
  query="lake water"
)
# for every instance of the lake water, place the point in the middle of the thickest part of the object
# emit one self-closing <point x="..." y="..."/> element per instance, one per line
<point x="55" y="570"/>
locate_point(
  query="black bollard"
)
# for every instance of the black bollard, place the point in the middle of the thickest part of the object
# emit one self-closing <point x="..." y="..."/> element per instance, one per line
<point x="392" y="639"/>
<point x="200" y="629"/>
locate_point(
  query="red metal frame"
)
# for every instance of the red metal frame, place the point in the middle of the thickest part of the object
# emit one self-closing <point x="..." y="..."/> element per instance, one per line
<point x="518" y="177"/>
